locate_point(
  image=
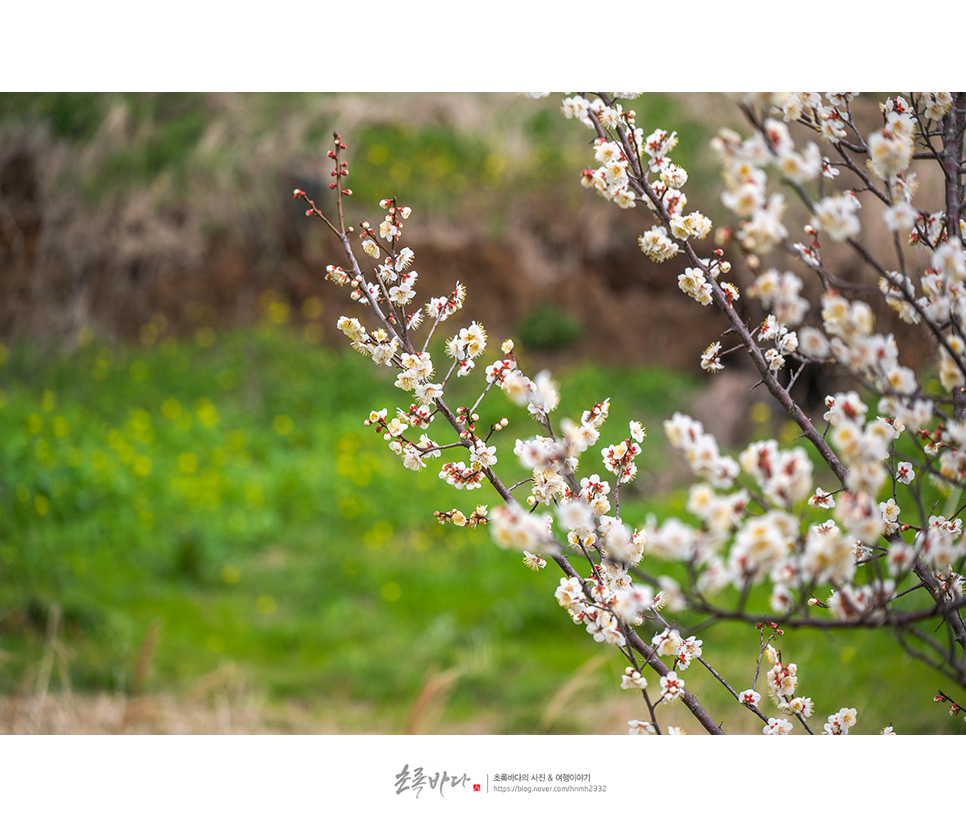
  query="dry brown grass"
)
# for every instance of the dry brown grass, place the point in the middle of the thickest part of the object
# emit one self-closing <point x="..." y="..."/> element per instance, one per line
<point x="164" y="714"/>
<point x="225" y="702"/>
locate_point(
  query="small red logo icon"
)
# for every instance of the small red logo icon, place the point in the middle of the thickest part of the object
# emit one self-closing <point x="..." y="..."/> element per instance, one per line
<point x="476" y="787"/>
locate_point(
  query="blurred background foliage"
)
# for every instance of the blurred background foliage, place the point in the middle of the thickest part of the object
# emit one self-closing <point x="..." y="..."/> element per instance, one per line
<point x="229" y="495"/>
<point x="190" y="505"/>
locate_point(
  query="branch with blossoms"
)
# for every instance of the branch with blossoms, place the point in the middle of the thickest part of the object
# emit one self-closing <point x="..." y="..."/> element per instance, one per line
<point x="761" y="518"/>
<point x="772" y="546"/>
<point x="591" y="596"/>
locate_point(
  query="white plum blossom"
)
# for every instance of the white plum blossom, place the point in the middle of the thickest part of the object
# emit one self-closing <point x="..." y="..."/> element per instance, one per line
<point x="668" y="642"/>
<point x="836" y="216"/>
<point x="533" y="561"/>
<point x="828" y="556"/>
<point x="840" y="723"/>
<point x="514" y="529"/>
<point x="632" y="679"/>
<point x="749" y="697"/>
<point x="777" y="727"/>
<point x="543" y="396"/>
<point x="672" y="687"/>
<point x="905" y="473"/>
<point x="657" y="245"/>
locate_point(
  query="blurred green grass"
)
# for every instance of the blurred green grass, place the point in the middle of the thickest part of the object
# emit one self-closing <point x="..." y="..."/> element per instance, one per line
<point x="224" y="493"/>
<point x="227" y="490"/>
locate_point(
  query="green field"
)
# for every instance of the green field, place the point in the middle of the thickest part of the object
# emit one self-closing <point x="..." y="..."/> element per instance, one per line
<point x="174" y="511"/>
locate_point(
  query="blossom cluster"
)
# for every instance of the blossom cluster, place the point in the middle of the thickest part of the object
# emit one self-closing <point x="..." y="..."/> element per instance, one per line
<point x="595" y="612"/>
<point x="782" y="682"/>
<point x="772" y="545"/>
<point x="623" y="167"/>
<point x="733" y="546"/>
<point x="683" y="649"/>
